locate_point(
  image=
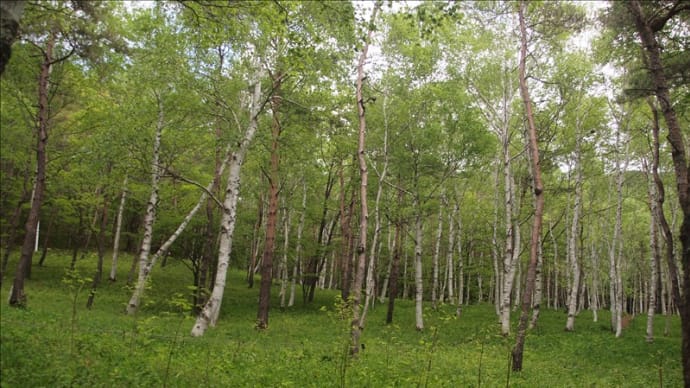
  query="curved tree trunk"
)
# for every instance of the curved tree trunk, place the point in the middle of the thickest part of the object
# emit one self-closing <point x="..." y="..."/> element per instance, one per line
<point x="209" y="314"/>
<point x="647" y="26"/>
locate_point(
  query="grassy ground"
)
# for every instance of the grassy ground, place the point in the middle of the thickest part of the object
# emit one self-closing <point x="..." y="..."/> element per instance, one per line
<point x="57" y="342"/>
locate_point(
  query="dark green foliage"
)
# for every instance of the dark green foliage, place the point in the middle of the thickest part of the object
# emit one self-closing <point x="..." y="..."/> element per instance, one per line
<point x="304" y="345"/>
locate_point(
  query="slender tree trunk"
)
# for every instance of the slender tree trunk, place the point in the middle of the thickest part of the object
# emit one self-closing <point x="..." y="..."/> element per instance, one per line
<point x="204" y="280"/>
<point x="538" y="286"/>
<point x="498" y="281"/>
<point x="14" y="224"/>
<point x="450" y="263"/>
<point x="418" y="275"/>
<point x="511" y="251"/>
<point x="312" y="270"/>
<point x="654" y="260"/>
<point x="209" y="314"/>
<point x="539" y="198"/>
<point x="434" y="261"/>
<point x="395" y="266"/>
<point x="461" y="270"/>
<point x="256" y="240"/>
<point x="345" y="254"/>
<point x="283" y="271"/>
<point x="595" y="283"/>
<point x="17" y="295"/>
<point x="364" y="174"/>
<point x="574" y="232"/>
<point x="101" y="253"/>
<point x="46" y="236"/>
<point x="298" y="249"/>
<point x="272" y="217"/>
<point x="118" y="229"/>
<point x="387" y="275"/>
<point x="150" y="216"/>
<point x="373" y="257"/>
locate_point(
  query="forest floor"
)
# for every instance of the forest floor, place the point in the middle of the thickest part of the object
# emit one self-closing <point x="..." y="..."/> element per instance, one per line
<point x="56" y="342"/>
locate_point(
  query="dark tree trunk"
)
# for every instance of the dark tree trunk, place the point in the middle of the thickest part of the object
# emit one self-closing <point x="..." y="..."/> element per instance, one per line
<point x="14" y="223"/>
<point x="311" y="274"/>
<point x="255" y="241"/>
<point x="647" y="26"/>
<point x="539" y="199"/>
<point x="46" y="237"/>
<point x="17" y="297"/>
<point x="395" y="270"/>
<point x="271" y="220"/>
<point x="346" y="241"/>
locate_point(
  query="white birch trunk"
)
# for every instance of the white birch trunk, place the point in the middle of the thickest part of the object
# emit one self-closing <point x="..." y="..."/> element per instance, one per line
<point x="360" y="267"/>
<point x="461" y="269"/>
<point x="654" y="259"/>
<point x="450" y="263"/>
<point x="418" y="277"/>
<point x="511" y="253"/>
<point x="118" y="229"/>
<point x="617" y="252"/>
<point x="373" y="257"/>
<point x="594" y="306"/>
<point x="150" y="216"/>
<point x="573" y="238"/>
<point x="298" y="249"/>
<point x="437" y="252"/>
<point x="140" y="286"/>
<point x="209" y="314"/>
<point x="498" y="280"/>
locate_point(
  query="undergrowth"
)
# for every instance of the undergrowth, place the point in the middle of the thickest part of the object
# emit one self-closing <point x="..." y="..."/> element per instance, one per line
<point x="55" y="341"/>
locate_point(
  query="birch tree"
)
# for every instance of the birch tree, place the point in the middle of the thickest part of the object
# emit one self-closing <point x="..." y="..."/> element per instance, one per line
<point x="211" y="310"/>
<point x="363" y="173"/>
<point x="118" y="228"/>
<point x="150" y="215"/>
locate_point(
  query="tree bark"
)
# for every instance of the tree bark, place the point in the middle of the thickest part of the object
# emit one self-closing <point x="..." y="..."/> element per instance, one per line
<point x="150" y="216"/>
<point x="298" y="250"/>
<point x="346" y="238"/>
<point x="272" y="217"/>
<point x="101" y="253"/>
<point x="364" y="174"/>
<point x="654" y="258"/>
<point x="574" y="233"/>
<point x="283" y="271"/>
<point x="538" y="193"/>
<point x="395" y="265"/>
<point x="118" y="229"/>
<point x="647" y="27"/>
<point x="209" y="314"/>
<point x="434" y="260"/>
<point x="312" y="270"/>
<point x="17" y="295"/>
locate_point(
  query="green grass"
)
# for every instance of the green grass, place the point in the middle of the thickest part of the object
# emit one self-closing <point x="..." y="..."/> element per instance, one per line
<point x="44" y="345"/>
